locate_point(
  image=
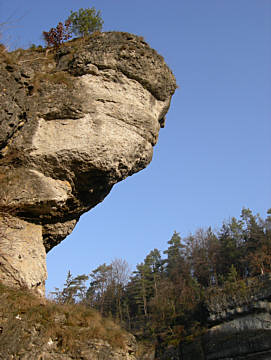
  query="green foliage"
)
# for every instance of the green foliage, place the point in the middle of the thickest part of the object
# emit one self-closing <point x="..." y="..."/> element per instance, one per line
<point x="74" y="290"/>
<point x="175" y="262"/>
<point x="165" y="298"/>
<point x="232" y="275"/>
<point x="82" y="23"/>
<point x="85" y="21"/>
<point x="34" y="47"/>
<point x="106" y="288"/>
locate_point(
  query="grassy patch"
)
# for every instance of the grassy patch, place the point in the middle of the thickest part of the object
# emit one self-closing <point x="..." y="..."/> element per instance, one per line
<point x="59" y="77"/>
<point x="26" y="319"/>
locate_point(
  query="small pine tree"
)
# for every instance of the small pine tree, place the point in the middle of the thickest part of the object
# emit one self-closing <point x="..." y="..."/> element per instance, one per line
<point x="85" y="21"/>
<point x="74" y="289"/>
<point x="232" y="275"/>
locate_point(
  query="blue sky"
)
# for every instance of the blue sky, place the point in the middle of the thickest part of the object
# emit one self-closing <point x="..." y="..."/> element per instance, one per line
<point x="212" y="158"/>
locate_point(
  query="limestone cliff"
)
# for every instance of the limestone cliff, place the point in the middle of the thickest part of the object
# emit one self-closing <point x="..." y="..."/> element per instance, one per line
<point x="239" y="325"/>
<point x="73" y="123"/>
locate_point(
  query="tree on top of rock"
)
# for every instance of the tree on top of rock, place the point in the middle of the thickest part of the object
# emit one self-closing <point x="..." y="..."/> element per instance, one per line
<point x="86" y="21"/>
<point x="56" y="36"/>
<point x="81" y="23"/>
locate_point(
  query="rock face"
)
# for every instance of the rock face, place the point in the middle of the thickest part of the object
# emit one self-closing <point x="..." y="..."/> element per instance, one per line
<point x="73" y="123"/>
<point x="94" y="349"/>
<point x="240" y="326"/>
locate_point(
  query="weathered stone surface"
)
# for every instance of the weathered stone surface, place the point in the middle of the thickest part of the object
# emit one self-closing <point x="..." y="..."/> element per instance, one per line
<point x="94" y="349"/>
<point x="224" y="306"/>
<point x="22" y="254"/>
<point x="240" y="325"/>
<point x="244" y="338"/>
<point x="73" y="123"/>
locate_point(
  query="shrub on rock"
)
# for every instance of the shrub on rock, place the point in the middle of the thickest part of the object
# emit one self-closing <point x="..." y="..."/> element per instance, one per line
<point x="85" y="21"/>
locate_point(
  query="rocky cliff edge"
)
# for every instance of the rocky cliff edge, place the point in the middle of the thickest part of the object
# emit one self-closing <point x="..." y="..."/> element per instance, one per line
<point x="74" y="122"/>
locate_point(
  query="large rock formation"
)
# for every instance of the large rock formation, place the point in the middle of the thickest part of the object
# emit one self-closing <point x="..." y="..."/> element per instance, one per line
<point x="73" y="123"/>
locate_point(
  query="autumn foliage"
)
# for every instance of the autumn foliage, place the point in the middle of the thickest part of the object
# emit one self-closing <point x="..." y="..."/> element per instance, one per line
<point x="80" y="23"/>
<point x="56" y="36"/>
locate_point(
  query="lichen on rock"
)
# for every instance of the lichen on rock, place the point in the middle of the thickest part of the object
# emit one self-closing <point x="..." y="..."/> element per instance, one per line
<point x="74" y="122"/>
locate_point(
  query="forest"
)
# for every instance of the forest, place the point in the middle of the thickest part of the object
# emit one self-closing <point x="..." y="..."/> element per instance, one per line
<point x="164" y="298"/>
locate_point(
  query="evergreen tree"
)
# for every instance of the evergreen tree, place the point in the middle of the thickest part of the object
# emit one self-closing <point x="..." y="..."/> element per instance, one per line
<point x="176" y="263"/>
<point x="74" y="289"/>
<point x="229" y="251"/>
<point x="85" y="21"/>
<point x="257" y="252"/>
<point x="202" y="250"/>
<point x="143" y="283"/>
<point x="100" y="281"/>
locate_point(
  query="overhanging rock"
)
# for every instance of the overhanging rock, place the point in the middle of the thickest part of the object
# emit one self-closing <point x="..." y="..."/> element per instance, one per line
<point x="74" y="122"/>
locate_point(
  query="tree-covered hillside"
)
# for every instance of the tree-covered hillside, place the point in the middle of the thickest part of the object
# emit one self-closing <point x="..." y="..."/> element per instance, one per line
<point x="164" y="298"/>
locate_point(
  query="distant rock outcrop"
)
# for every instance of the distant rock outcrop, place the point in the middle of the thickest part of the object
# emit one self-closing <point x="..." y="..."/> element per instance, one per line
<point x="239" y="325"/>
<point x="73" y="123"/>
